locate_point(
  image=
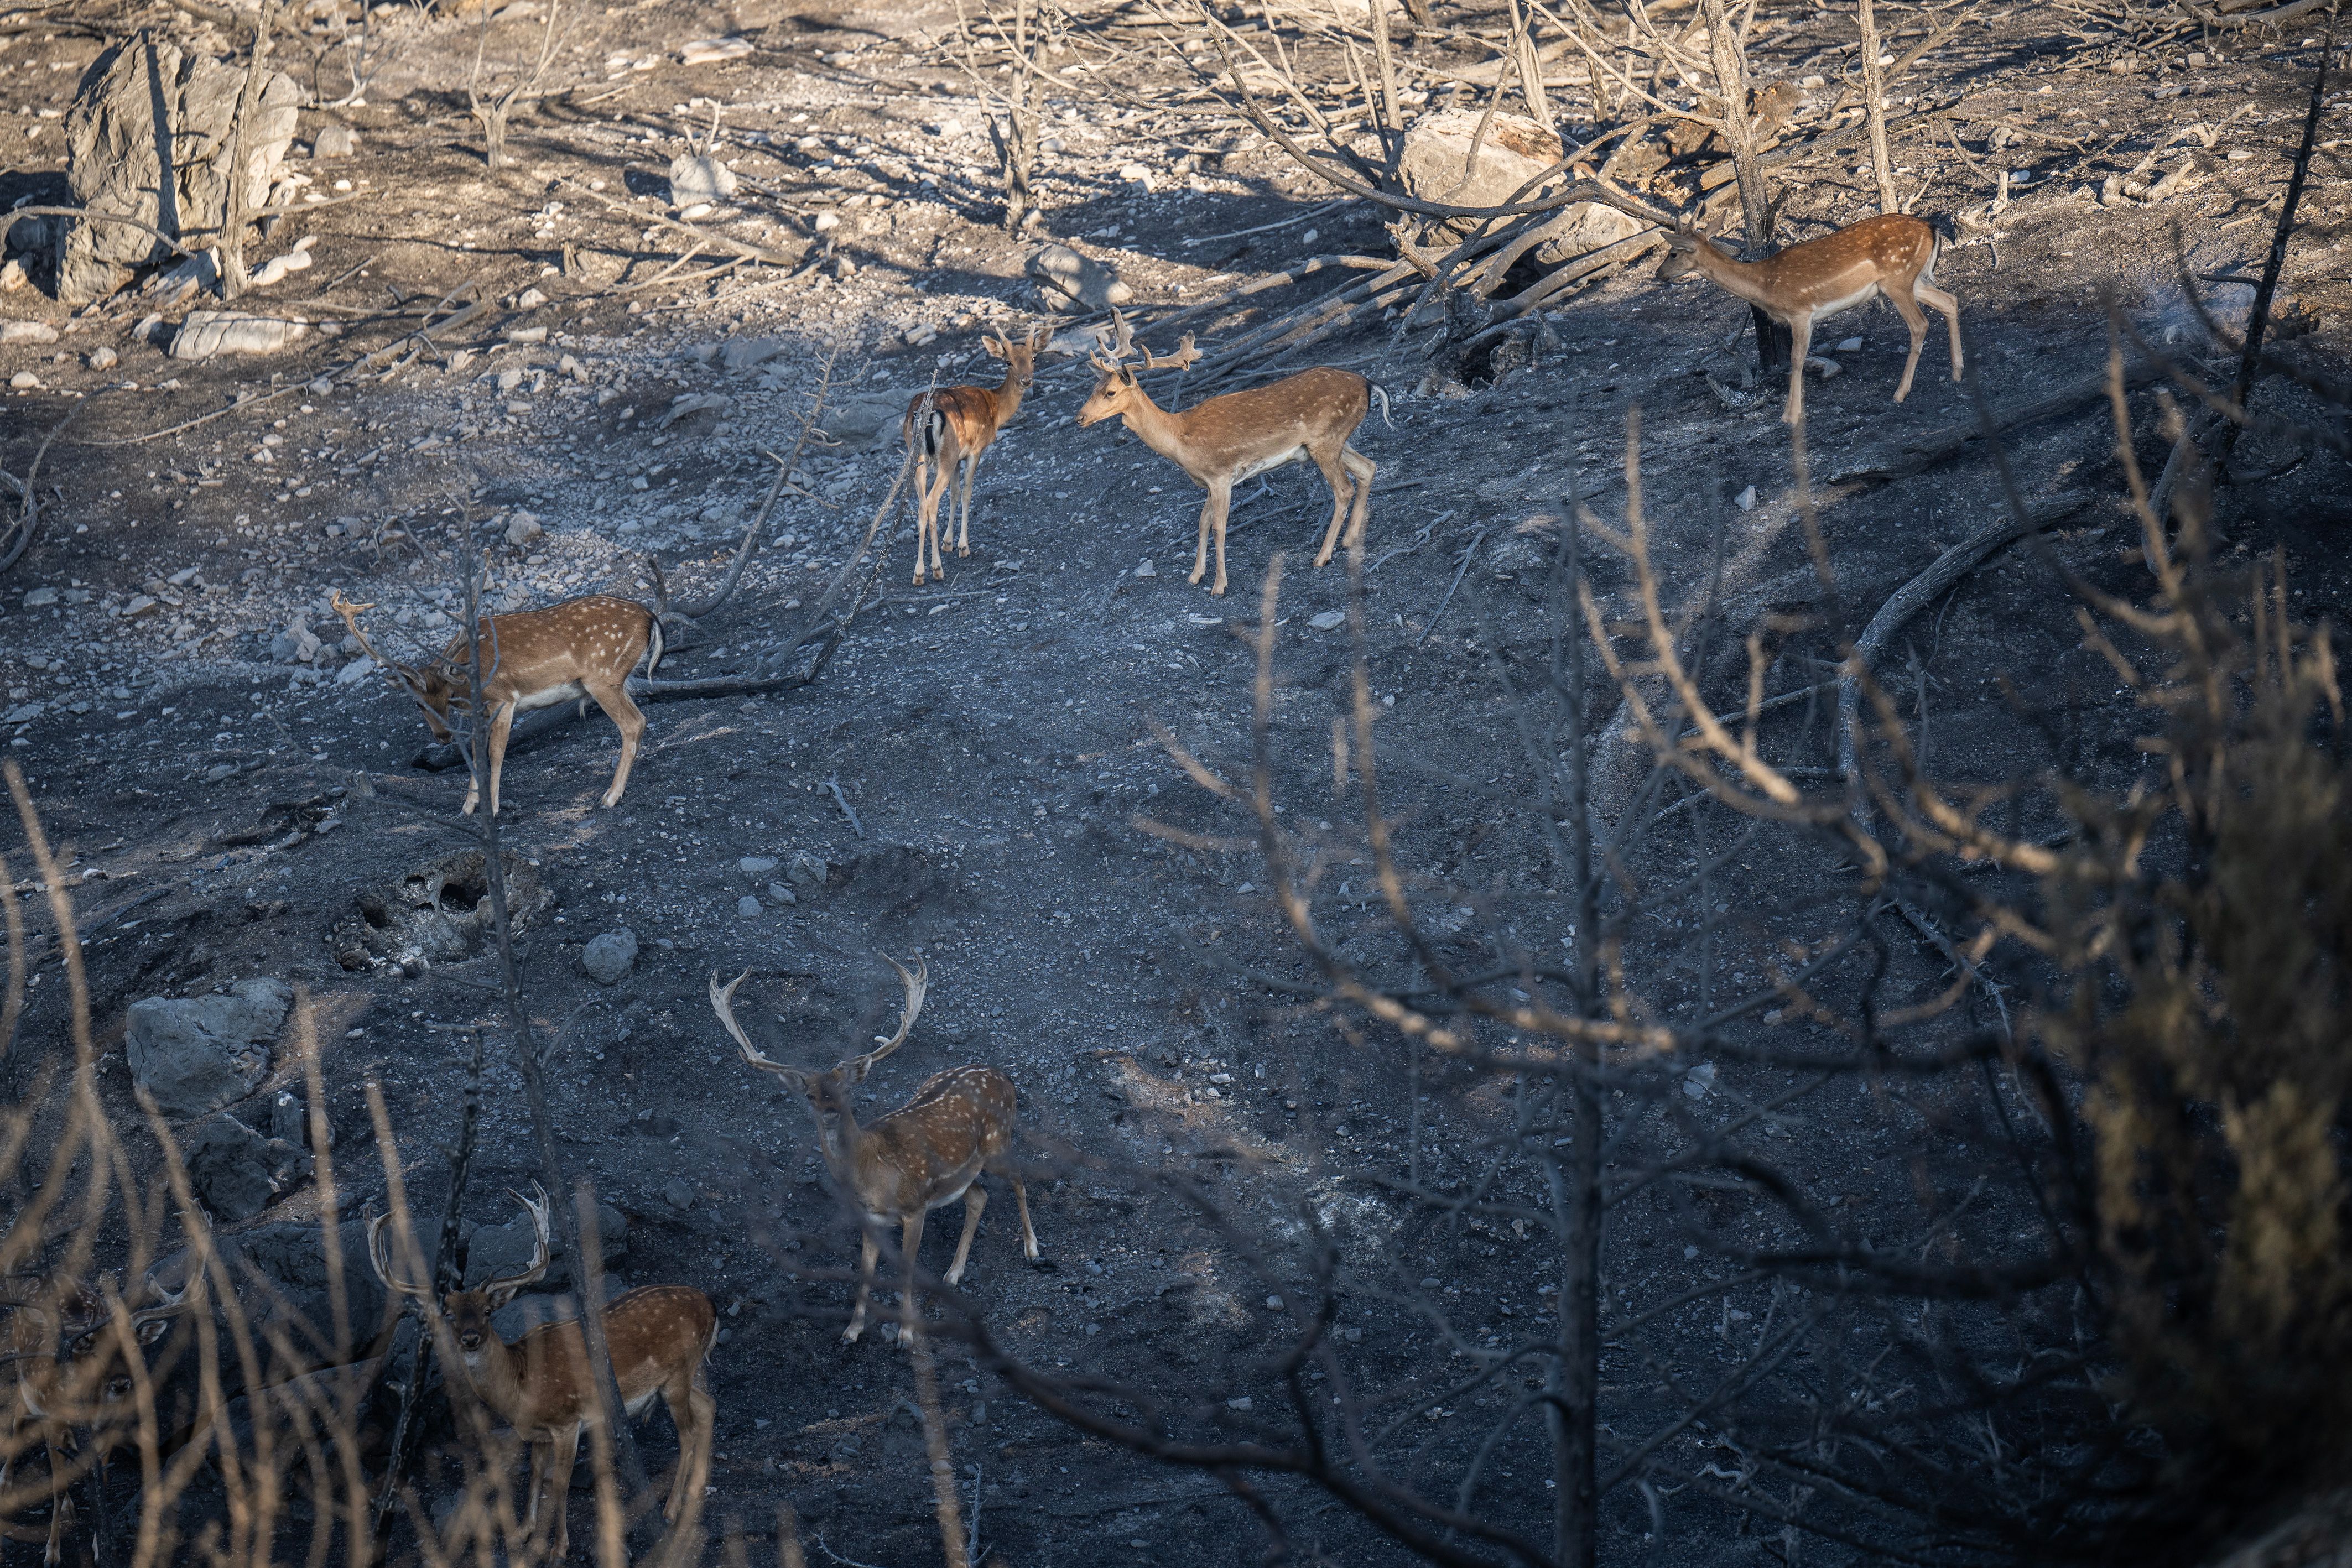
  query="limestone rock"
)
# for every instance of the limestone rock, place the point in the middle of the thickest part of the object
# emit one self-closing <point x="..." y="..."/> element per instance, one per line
<point x="208" y="332"/>
<point x="1581" y="228"/>
<point x="111" y="143"/>
<point x="335" y="141"/>
<point x="196" y="1055"/>
<point x="702" y="179"/>
<point x="1436" y="165"/>
<point x="608" y="958"/>
<point x="236" y="1171"/>
<point x="864" y="423"/>
<point x="1088" y="281"/>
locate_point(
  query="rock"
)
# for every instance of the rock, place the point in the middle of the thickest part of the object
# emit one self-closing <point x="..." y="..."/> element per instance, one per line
<point x="111" y="151"/>
<point x="25" y="381"/>
<point x="743" y="353"/>
<point x="291" y="1308"/>
<point x="24" y="713"/>
<point x="713" y="51"/>
<point x="103" y="359"/>
<point x="297" y="644"/>
<point x="608" y="958"/>
<point x="806" y="871"/>
<point x="525" y="335"/>
<point x="530" y="300"/>
<point x="335" y="141"/>
<point x="208" y="332"/>
<point x="1581" y="228"/>
<point x="1137" y="174"/>
<point x="691" y="403"/>
<point x="779" y="894"/>
<point x="825" y="223"/>
<point x="289" y="1118"/>
<point x="1088" y="282"/>
<point x="702" y="179"/>
<point x="757" y="866"/>
<point x="864" y="423"/>
<point x="678" y="1195"/>
<point x="522" y="527"/>
<point x="27" y="332"/>
<point x="40" y="598"/>
<point x="274" y="270"/>
<point x="236" y="1171"/>
<point x="495" y="1249"/>
<point x="1330" y="621"/>
<point x="747" y="907"/>
<point x="11" y="276"/>
<point x="1147" y="569"/>
<point x="194" y="1055"/>
<point x="1435" y="163"/>
<point x="358" y="670"/>
<point x="140" y="604"/>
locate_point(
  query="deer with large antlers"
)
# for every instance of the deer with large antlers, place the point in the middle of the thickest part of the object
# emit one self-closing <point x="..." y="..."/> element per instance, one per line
<point x="1311" y="417"/>
<point x="1893" y="254"/>
<point x="582" y="650"/>
<point x="543" y="1385"/>
<point x="65" y="1347"/>
<point x="955" y="431"/>
<point x="928" y="1152"/>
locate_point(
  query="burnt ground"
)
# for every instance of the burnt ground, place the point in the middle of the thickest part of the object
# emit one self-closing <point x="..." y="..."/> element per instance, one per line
<point x="995" y="739"/>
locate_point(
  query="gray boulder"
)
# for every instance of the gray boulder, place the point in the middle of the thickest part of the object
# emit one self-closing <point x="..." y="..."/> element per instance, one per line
<point x="192" y="1055"/>
<point x="236" y="1171"/>
<point x="495" y="1249"/>
<point x="1088" y="281"/>
<point x="1436" y="164"/>
<point x="703" y="179"/>
<point x="608" y="958"/>
<point x="112" y="144"/>
<point x="335" y="141"/>
<point x="862" y="424"/>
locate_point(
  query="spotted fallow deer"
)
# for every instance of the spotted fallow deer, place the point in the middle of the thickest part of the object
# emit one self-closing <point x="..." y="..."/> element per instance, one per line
<point x="956" y="430"/>
<point x="584" y="648"/>
<point x="66" y="1349"/>
<point x="1893" y="254"/>
<point x="928" y="1152"/>
<point x="541" y="1385"/>
<point x="1311" y="417"/>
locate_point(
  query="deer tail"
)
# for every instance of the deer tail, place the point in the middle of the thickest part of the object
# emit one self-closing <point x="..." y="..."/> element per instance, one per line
<point x="1382" y="392"/>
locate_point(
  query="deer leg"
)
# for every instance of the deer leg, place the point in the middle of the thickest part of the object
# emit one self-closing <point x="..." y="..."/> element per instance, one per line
<point x="60" y="1513"/>
<point x="540" y="1453"/>
<point x="1361" y="469"/>
<point x="614" y="698"/>
<point x="1221" y="499"/>
<point x="868" y="1250"/>
<point x="963" y="523"/>
<point x="1801" y="341"/>
<point x="1916" y="320"/>
<point x="911" y="1243"/>
<point x="1200" y="552"/>
<point x="501" y="724"/>
<point x="695" y="1411"/>
<point x="559" y="1491"/>
<point x="927" y="504"/>
<point x="1336" y="478"/>
<point x="1028" y="1233"/>
<point x="974" y="1200"/>
<point x="1949" y="309"/>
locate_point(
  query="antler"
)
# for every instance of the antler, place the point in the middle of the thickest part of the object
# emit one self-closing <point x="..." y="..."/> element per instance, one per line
<point x="918" y="984"/>
<point x="722" y="1003"/>
<point x="379" y="1255"/>
<point x="1184" y="355"/>
<point x="540" y="1249"/>
<point x="351" y="615"/>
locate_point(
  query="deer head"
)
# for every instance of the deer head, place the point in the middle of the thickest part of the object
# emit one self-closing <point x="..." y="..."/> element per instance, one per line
<point x="1117" y="392"/>
<point x="467" y="1313"/>
<point x="828" y="1092"/>
<point x="1682" y="253"/>
<point x="432" y="687"/>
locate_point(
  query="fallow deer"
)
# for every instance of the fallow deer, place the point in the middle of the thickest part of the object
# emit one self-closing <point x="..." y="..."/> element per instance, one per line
<point x="541" y="1384"/>
<point x="63" y="1347"/>
<point x="928" y="1152"/>
<point x="1893" y="254"/>
<point x="957" y="429"/>
<point x="584" y="648"/>
<point x="1226" y="440"/>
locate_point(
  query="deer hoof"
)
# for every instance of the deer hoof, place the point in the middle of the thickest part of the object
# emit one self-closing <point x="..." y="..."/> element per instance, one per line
<point x="1042" y="1264"/>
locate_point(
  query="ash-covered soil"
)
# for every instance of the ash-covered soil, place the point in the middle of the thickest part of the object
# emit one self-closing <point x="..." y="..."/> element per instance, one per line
<point x="980" y="776"/>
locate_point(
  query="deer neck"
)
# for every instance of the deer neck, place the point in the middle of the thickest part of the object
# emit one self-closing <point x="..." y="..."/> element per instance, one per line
<point x="1743" y="278"/>
<point x="495" y="1372"/>
<point x="1156" y="427"/>
<point x="1008" y="396"/>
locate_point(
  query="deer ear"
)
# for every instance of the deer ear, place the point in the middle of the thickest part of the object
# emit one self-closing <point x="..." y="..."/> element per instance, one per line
<point x="996" y="347"/>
